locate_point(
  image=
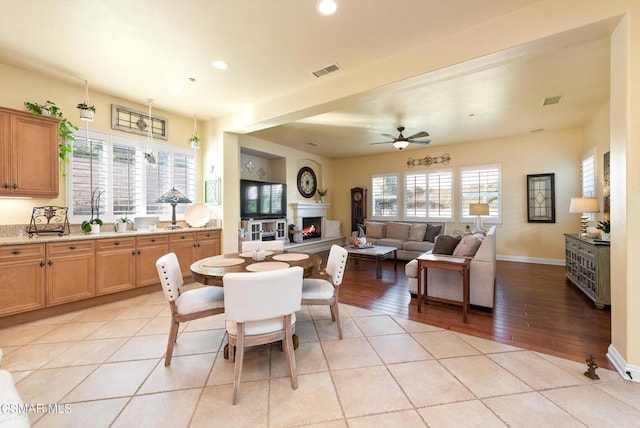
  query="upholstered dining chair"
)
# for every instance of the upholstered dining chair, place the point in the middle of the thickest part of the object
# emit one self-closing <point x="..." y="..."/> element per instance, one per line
<point x="263" y="245"/>
<point x="319" y="291"/>
<point x="260" y="308"/>
<point x="185" y="306"/>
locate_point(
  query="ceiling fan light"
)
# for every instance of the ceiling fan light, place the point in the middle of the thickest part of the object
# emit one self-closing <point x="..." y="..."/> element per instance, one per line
<point x="400" y="144"/>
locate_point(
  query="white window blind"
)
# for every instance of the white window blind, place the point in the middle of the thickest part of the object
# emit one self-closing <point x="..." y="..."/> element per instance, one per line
<point x="384" y="196"/>
<point x="481" y="184"/>
<point x="130" y="184"/>
<point x="429" y="195"/>
<point x="588" y="172"/>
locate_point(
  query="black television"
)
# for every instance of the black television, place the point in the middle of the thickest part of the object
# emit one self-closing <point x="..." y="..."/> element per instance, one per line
<point x="260" y="199"/>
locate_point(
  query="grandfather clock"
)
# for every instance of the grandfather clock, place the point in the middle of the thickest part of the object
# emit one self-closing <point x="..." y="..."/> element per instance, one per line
<point x="358" y="207"/>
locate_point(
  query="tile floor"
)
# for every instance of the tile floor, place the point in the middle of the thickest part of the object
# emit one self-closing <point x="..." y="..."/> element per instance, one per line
<point x="107" y="364"/>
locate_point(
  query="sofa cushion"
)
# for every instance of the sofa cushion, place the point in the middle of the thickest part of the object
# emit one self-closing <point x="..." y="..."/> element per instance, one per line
<point x="421" y="246"/>
<point x="374" y="230"/>
<point x="417" y="232"/>
<point x="432" y="231"/>
<point x="445" y="244"/>
<point x="389" y="242"/>
<point x="467" y="247"/>
<point x="397" y="231"/>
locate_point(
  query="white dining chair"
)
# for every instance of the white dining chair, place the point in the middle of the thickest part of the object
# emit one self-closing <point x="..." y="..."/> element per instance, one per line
<point x="260" y="308"/>
<point x="185" y="306"/>
<point x="319" y="291"/>
<point x="262" y="245"/>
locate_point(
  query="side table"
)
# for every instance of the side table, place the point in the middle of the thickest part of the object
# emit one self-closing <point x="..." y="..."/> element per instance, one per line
<point x="435" y="261"/>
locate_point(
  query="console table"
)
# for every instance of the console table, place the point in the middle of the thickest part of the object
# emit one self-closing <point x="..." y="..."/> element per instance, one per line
<point x="588" y="267"/>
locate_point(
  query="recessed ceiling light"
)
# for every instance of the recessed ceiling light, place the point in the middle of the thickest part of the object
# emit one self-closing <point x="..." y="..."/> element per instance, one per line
<point x="175" y="89"/>
<point x="327" y="7"/>
<point x="220" y="65"/>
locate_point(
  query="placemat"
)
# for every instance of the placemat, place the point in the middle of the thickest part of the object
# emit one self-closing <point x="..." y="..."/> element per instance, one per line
<point x="250" y="253"/>
<point x="223" y="262"/>
<point x="290" y="257"/>
<point x="265" y="266"/>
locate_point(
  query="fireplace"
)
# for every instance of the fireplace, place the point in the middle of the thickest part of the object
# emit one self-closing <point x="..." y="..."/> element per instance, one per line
<point x="311" y="227"/>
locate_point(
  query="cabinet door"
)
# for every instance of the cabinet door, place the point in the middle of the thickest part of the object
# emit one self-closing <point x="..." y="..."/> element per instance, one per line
<point x="5" y="150"/>
<point x="115" y="265"/>
<point x="70" y="271"/>
<point x="22" y="279"/>
<point x="34" y="153"/>
<point x="185" y="247"/>
<point x="148" y="250"/>
<point x="208" y="244"/>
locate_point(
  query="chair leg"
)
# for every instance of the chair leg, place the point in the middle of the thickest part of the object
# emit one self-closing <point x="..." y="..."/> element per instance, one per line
<point x="288" y="350"/>
<point x="173" y="335"/>
<point x="239" y="360"/>
<point x="336" y="312"/>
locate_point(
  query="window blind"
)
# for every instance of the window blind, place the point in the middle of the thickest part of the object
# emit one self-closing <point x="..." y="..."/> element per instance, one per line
<point x="588" y="172"/>
<point x="384" y="199"/>
<point x="481" y="184"/>
<point x="429" y="195"/>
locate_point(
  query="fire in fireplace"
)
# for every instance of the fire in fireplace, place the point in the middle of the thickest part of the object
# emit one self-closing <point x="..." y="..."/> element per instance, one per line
<point x="311" y="227"/>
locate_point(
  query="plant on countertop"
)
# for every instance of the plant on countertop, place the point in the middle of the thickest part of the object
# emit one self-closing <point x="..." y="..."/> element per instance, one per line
<point x="65" y="128"/>
<point x="604" y="226"/>
<point x="95" y="209"/>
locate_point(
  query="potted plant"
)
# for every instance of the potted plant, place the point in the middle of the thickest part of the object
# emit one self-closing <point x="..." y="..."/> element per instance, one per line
<point x="86" y="111"/>
<point x="65" y="128"/>
<point x="322" y="193"/>
<point x="93" y="225"/>
<point x="605" y="227"/>
<point x="194" y="142"/>
<point x="122" y="224"/>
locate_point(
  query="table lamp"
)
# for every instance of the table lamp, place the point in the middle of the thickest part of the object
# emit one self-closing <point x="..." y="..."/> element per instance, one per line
<point x="478" y="210"/>
<point x="173" y="197"/>
<point x="583" y="206"/>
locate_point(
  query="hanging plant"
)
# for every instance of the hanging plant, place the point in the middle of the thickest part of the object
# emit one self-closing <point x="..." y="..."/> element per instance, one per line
<point x="194" y="142"/>
<point x="65" y="128"/>
<point x="86" y="111"/>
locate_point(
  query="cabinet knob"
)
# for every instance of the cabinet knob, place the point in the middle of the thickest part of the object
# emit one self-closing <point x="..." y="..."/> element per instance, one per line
<point x="182" y="237"/>
<point x="116" y="243"/>
<point x="41" y="263"/>
<point x="133" y="252"/>
<point x="153" y="240"/>
<point x="50" y="262"/>
<point x="195" y="246"/>
<point x="16" y="252"/>
<point x="138" y="252"/>
<point x="5" y="185"/>
<point x="15" y="186"/>
<point x="72" y="247"/>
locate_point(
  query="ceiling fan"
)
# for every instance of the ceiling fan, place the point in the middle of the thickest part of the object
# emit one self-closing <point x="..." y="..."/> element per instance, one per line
<point x="400" y="142"/>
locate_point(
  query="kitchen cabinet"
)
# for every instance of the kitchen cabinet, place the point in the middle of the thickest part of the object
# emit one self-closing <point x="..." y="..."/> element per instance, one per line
<point x="190" y="246"/>
<point x="115" y="265"/>
<point x="209" y="244"/>
<point x="22" y="278"/>
<point x="29" y="154"/>
<point x="70" y="272"/>
<point x="148" y="250"/>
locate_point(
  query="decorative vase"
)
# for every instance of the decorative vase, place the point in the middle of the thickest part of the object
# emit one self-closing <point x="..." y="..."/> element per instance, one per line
<point x="95" y="228"/>
<point x="322" y="199"/>
<point x="121" y="227"/>
<point x="605" y="236"/>
<point x="86" y="115"/>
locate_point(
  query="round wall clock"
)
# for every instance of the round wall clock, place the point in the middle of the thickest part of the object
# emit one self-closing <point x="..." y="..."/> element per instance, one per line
<point x="307" y="183"/>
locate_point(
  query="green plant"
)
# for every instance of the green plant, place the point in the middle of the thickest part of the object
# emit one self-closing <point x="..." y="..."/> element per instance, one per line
<point x="96" y="194"/>
<point x="65" y="128"/>
<point x="323" y="192"/>
<point x="85" y="106"/>
<point x="125" y="219"/>
<point x="604" y="226"/>
<point x="194" y="139"/>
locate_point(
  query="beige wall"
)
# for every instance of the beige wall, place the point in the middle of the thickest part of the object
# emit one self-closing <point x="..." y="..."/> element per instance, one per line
<point x="21" y="85"/>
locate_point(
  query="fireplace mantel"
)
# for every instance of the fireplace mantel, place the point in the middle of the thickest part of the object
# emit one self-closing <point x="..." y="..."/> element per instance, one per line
<point x="309" y="209"/>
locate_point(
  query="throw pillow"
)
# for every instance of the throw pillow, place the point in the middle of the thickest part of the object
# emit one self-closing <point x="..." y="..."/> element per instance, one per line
<point x="467" y="247"/>
<point x="417" y="232"/>
<point x="445" y="244"/>
<point x="375" y="230"/>
<point x="432" y="232"/>
<point x="398" y="231"/>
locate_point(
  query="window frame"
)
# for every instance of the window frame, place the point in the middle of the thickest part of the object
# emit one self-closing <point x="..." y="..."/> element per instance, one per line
<point x="492" y="218"/>
<point x="427" y="175"/>
<point x="588" y="179"/>
<point x="373" y="197"/>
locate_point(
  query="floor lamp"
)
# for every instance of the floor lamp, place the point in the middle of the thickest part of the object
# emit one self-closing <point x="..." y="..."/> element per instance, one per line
<point x="173" y="197"/>
<point x="478" y="210"/>
<point x="584" y="206"/>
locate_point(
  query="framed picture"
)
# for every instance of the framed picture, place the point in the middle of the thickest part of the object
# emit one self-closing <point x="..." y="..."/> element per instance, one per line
<point x="541" y="198"/>
<point x="212" y="191"/>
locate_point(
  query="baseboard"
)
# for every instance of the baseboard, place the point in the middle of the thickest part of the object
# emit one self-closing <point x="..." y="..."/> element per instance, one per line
<point x="627" y="371"/>
<point x="537" y="260"/>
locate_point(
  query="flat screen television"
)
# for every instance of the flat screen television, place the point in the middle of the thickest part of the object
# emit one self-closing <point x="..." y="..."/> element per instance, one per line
<point x="259" y="199"/>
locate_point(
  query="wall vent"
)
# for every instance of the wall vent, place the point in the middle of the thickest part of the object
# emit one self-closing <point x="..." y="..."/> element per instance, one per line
<point x="327" y="70"/>
<point x="551" y="100"/>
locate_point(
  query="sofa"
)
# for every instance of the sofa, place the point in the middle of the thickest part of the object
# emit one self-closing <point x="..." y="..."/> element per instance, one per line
<point x="447" y="284"/>
<point x="410" y="238"/>
<point x="12" y="413"/>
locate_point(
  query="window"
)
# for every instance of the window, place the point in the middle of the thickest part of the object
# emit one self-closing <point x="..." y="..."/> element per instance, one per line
<point x="429" y="195"/>
<point x="116" y="166"/>
<point x="384" y="196"/>
<point x="588" y="172"/>
<point x="481" y="184"/>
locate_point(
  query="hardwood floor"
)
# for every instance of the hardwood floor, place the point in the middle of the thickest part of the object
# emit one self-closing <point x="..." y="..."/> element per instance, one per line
<point x="536" y="308"/>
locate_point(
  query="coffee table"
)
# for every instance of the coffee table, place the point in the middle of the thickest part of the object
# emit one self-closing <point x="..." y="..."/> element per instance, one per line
<point x="377" y="252"/>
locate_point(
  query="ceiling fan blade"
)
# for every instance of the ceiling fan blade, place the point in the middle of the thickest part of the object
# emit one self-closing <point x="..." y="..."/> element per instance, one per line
<point x="419" y="135"/>
<point x="382" y="142"/>
<point x="393" y="137"/>
<point x="420" y="141"/>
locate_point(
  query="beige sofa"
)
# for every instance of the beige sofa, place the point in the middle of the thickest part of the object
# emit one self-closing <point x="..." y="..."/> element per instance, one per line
<point x="447" y="284"/>
<point x="403" y="236"/>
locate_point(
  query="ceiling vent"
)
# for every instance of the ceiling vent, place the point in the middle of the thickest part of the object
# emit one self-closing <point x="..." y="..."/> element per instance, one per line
<point x="551" y="100"/>
<point x="327" y="70"/>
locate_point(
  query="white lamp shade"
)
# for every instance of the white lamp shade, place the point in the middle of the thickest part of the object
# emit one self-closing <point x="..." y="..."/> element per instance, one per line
<point x="478" y="209"/>
<point x="584" y="205"/>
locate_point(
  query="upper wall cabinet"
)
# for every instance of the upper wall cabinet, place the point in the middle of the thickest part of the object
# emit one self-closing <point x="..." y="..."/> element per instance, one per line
<point x="29" y="154"/>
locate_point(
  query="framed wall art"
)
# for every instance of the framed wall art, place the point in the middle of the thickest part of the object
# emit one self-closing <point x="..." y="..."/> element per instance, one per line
<point x="541" y="198"/>
<point x="212" y="191"/>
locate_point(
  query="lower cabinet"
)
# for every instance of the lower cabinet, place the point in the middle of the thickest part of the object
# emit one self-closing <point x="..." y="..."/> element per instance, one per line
<point x="148" y="250"/>
<point x="209" y="244"/>
<point x="22" y="278"/>
<point x="70" y="271"/>
<point x="115" y="265"/>
<point x="190" y="247"/>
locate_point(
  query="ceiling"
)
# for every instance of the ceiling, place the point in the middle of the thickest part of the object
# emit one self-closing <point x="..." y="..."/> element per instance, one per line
<point x="150" y="48"/>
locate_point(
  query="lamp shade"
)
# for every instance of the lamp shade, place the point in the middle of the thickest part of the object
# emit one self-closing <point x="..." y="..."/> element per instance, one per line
<point x="584" y="205"/>
<point x="479" y="209"/>
<point x="400" y="144"/>
<point x="173" y="196"/>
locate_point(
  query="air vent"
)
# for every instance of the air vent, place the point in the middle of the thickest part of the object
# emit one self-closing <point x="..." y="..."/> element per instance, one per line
<point x="551" y="100"/>
<point x="327" y="70"/>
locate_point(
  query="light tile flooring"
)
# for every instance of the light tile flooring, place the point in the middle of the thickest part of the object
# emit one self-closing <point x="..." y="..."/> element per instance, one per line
<point x="107" y="363"/>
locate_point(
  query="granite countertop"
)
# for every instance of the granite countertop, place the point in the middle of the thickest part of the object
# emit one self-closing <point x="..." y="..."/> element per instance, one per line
<point x="41" y="239"/>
